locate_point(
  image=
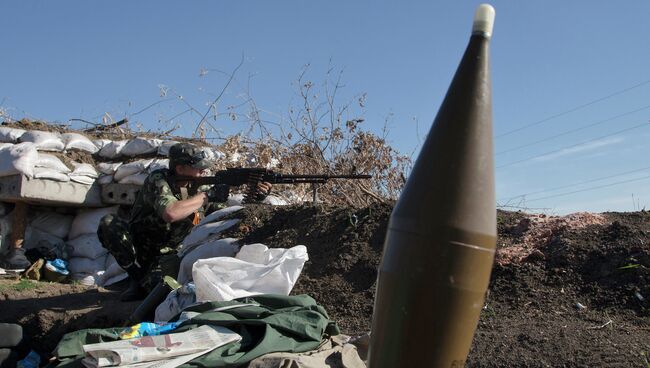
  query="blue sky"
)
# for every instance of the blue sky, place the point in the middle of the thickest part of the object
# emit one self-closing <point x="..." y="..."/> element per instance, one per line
<point x="574" y="75"/>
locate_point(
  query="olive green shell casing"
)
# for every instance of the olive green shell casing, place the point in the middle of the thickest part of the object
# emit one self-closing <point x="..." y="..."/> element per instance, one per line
<point x="441" y="238"/>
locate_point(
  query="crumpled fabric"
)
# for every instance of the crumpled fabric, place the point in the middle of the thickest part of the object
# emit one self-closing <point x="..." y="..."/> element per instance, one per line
<point x="333" y="353"/>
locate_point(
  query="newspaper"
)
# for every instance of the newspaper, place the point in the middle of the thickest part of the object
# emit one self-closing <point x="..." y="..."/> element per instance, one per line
<point x="163" y="351"/>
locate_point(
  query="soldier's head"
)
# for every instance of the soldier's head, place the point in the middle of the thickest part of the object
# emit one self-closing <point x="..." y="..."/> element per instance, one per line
<point x="186" y="159"/>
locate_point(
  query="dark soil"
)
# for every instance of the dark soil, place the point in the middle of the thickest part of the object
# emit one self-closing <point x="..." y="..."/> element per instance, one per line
<point x="580" y="299"/>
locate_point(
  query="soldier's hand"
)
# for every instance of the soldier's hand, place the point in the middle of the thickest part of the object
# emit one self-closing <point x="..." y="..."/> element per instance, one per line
<point x="218" y="193"/>
<point x="263" y="189"/>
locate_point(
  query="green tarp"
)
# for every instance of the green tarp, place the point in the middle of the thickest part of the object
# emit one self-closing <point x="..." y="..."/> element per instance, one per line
<point x="276" y="323"/>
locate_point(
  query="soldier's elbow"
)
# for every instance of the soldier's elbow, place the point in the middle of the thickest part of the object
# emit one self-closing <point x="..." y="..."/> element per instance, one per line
<point x="168" y="215"/>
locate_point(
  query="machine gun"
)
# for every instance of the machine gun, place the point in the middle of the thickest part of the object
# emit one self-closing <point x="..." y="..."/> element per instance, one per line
<point x="250" y="177"/>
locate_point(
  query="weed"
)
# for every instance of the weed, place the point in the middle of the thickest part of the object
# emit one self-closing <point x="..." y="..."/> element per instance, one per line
<point x="19" y="286"/>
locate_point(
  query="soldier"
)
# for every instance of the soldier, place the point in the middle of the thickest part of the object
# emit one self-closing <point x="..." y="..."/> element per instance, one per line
<point x="162" y="215"/>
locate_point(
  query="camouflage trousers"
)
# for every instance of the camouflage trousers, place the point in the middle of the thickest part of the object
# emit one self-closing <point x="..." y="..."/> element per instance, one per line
<point x="134" y="254"/>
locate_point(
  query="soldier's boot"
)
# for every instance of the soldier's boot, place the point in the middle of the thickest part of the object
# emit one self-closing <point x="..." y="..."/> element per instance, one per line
<point x="14" y="259"/>
<point x="135" y="291"/>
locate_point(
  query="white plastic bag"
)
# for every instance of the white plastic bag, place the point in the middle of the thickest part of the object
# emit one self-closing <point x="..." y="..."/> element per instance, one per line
<point x="44" y="141"/>
<point x="217" y="248"/>
<point x="10" y="135"/>
<point x="141" y="146"/>
<point x="51" y="162"/>
<point x="53" y="223"/>
<point x="112" y="149"/>
<point x="18" y="159"/>
<point x="87" y="221"/>
<point x="131" y="168"/>
<point x="136" y="179"/>
<point x="87" y="246"/>
<point x="255" y="270"/>
<point x="78" y="141"/>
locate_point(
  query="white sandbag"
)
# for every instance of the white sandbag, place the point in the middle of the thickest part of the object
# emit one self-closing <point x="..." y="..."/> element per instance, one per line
<point x="10" y="135"/>
<point x="100" y="143"/>
<point x="49" y="174"/>
<point x="176" y="301"/>
<point x="108" y="168"/>
<point x="217" y="215"/>
<point x="53" y="223"/>
<point x="112" y="267"/>
<point x="82" y="179"/>
<point x="44" y="141"/>
<point x="158" y="164"/>
<point x="86" y="265"/>
<point x="141" y="146"/>
<point x="275" y="201"/>
<point x="87" y="246"/>
<point x="217" y="248"/>
<point x="81" y="169"/>
<point x="235" y="200"/>
<point x="87" y="221"/>
<point x="213" y="154"/>
<point x="200" y="233"/>
<point x="105" y="179"/>
<point x="255" y="270"/>
<point x="51" y="162"/>
<point x="35" y="238"/>
<point x="131" y="168"/>
<point x="163" y="149"/>
<point x="5" y="145"/>
<point x="18" y="159"/>
<point x="137" y="179"/>
<point x="78" y="141"/>
<point x="112" y="149"/>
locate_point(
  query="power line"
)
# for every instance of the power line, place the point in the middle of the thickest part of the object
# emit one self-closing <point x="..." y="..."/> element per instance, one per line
<point x="572" y="109"/>
<point x="573" y="130"/>
<point x="576" y="184"/>
<point x="573" y="145"/>
<point x="588" y="189"/>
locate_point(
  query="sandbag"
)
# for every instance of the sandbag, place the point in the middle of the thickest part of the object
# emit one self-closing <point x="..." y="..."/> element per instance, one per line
<point x="108" y="281"/>
<point x="18" y="159"/>
<point x="108" y="168"/>
<point x="217" y="248"/>
<point x="100" y="143"/>
<point x="275" y="201"/>
<point x="217" y="215"/>
<point x="131" y="168"/>
<point x="112" y="149"/>
<point x="87" y="221"/>
<point x="78" y="141"/>
<point x="81" y="169"/>
<point x="87" y="266"/>
<point x="105" y="179"/>
<point x="49" y="174"/>
<point x="10" y="135"/>
<point x="82" y="179"/>
<point x="85" y="279"/>
<point x="176" y="301"/>
<point x="200" y="233"/>
<point x="158" y="164"/>
<point x="5" y="145"/>
<point x="87" y="246"/>
<point x="137" y="179"/>
<point x="44" y="141"/>
<point x="255" y="270"/>
<point x="141" y="146"/>
<point x="51" y="162"/>
<point x="163" y="149"/>
<point x="53" y="223"/>
<point x="35" y="238"/>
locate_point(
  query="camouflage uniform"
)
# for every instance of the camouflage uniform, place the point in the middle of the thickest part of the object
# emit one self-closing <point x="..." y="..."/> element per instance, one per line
<point x="136" y="244"/>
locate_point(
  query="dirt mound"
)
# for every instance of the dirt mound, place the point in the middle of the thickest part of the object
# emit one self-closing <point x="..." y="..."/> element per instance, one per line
<point x="577" y="297"/>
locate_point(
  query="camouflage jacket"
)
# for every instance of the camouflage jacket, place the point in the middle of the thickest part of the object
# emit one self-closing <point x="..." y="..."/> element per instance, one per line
<point x="146" y="222"/>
